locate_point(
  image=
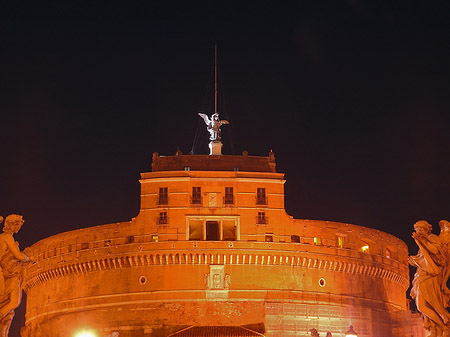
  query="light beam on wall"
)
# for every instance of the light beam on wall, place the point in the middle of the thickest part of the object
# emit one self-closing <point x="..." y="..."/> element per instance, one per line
<point x="85" y="333"/>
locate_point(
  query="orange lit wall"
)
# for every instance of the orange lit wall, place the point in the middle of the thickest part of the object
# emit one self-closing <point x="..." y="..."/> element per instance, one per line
<point x="159" y="273"/>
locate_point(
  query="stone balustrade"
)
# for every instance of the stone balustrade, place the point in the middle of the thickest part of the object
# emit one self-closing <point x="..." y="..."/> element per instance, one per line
<point x="95" y="255"/>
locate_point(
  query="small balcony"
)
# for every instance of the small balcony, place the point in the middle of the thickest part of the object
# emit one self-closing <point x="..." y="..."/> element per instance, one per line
<point x="163" y="200"/>
<point x="196" y="200"/>
<point x="262" y="220"/>
<point x="228" y="200"/>
<point x="261" y="200"/>
<point x="162" y="219"/>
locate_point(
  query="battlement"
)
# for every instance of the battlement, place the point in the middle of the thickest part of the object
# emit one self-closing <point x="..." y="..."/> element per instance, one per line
<point x="181" y="162"/>
<point x="101" y="248"/>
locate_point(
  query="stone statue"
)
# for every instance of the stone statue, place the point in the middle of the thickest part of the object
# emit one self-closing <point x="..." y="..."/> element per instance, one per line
<point x="429" y="287"/>
<point x="12" y="266"/>
<point x="445" y="241"/>
<point x="213" y="125"/>
<point x="314" y="332"/>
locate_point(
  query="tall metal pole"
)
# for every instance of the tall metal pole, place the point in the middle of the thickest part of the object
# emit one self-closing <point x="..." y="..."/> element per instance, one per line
<point x="215" y="77"/>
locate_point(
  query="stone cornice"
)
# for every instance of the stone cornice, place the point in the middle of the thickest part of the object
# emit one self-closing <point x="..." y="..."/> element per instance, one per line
<point x="309" y="260"/>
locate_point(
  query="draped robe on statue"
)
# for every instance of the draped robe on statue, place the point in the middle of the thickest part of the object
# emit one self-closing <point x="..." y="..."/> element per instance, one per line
<point x="429" y="285"/>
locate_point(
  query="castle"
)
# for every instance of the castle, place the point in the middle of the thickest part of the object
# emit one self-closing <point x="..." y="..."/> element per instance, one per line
<point x="213" y="252"/>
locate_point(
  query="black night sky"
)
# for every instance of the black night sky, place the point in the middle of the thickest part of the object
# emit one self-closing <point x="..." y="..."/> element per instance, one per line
<point x="352" y="96"/>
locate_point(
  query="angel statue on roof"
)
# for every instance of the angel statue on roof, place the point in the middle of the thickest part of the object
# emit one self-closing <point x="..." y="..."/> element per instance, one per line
<point x="213" y="125"/>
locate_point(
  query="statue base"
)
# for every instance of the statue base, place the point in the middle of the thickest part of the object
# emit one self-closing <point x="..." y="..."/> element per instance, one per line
<point x="215" y="148"/>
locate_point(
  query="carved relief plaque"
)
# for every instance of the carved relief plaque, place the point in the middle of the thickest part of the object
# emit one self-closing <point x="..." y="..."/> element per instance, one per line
<point x="212" y="199"/>
<point x="217" y="282"/>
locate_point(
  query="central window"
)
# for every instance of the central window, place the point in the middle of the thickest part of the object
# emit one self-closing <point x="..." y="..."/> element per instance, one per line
<point x="229" y="198"/>
<point x="212" y="228"/>
<point x="196" y="197"/>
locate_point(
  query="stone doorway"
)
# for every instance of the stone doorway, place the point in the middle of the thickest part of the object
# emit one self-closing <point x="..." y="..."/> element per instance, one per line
<point x="212" y="231"/>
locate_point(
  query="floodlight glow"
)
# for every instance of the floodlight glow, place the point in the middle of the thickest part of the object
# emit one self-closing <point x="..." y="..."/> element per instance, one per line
<point x="351" y="332"/>
<point x="365" y="248"/>
<point x="85" y="333"/>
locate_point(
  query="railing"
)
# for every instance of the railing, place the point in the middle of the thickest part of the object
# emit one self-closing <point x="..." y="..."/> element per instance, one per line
<point x="163" y="200"/>
<point x="70" y="247"/>
<point x="261" y="200"/>
<point x="144" y="242"/>
<point x="262" y="220"/>
<point x="163" y="220"/>
<point x="196" y="200"/>
<point x="188" y="252"/>
<point x="228" y="200"/>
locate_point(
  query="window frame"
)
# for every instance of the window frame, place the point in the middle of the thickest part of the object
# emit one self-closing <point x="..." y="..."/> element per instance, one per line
<point x="163" y="218"/>
<point x="222" y="220"/>
<point x="196" y="196"/>
<point x="163" y="196"/>
<point x="261" y="196"/>
<point x="229" y="196"/>
<point x="261" y="218"/>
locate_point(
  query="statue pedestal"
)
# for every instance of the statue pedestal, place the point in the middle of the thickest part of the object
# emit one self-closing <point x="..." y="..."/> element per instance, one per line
<point x="215" y="148"/>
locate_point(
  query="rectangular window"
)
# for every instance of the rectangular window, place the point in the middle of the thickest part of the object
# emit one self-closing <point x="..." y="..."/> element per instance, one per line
<point x="229" y="197"/>
<point x="129" y="239"/>
<point x="196" y="197"/>
<point x="318" y="241"/>
<point x="163" y="220"/>
<point x="295" y="238"/>
<point x="163" y="196"/>
<point x="155" y="238"/>
<point x="268" y="238"/>
<point x="261" y="196"/>
<point x="261" y="219"/>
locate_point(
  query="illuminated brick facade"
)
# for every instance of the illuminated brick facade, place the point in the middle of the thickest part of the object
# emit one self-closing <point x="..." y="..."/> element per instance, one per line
<point x="213" y="246"/>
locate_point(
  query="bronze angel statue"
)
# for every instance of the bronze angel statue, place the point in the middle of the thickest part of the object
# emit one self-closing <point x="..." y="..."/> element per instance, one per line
<point x="213" y="125"/>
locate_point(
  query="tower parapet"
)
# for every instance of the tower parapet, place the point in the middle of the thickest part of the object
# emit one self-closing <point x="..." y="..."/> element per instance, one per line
<point x="244" y="163"/>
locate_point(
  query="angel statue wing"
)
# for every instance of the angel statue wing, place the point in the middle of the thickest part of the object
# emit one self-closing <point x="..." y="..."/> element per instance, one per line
<point x="224" y="121"/>
<point x="205" y="118"/>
